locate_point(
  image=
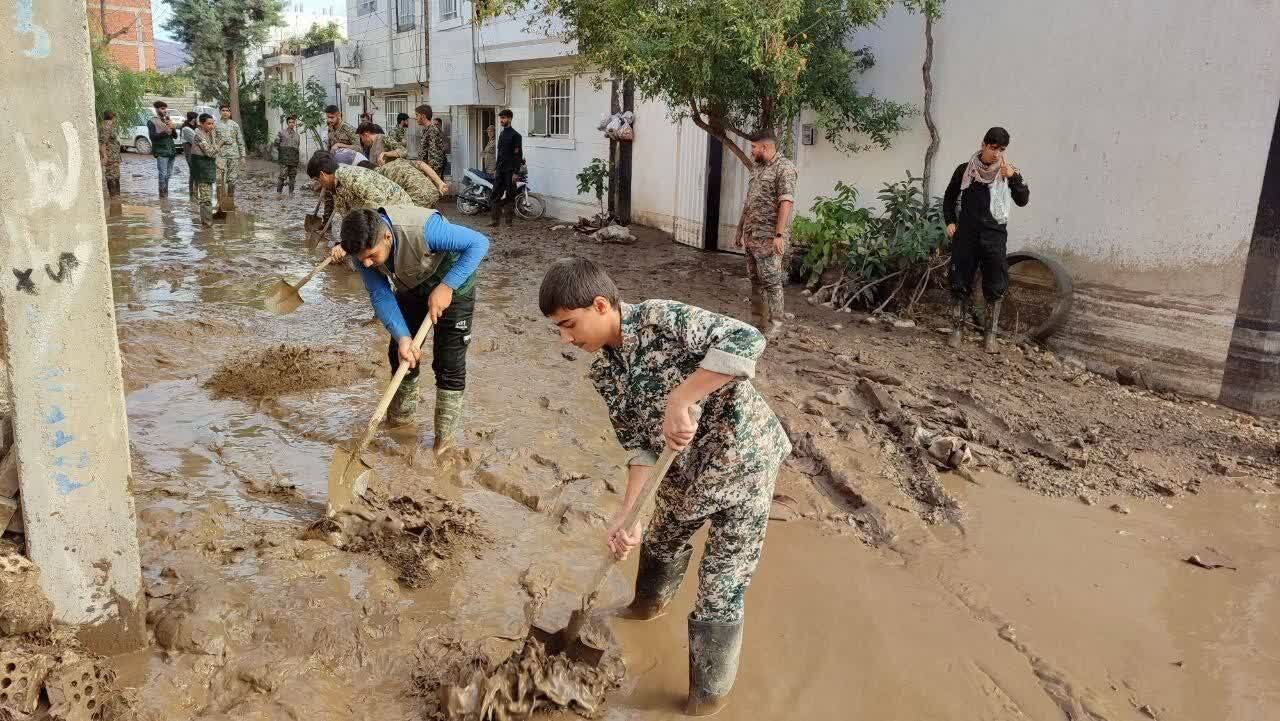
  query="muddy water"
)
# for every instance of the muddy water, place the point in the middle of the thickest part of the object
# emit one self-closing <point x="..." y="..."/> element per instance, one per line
<point x="1030" y="608"/>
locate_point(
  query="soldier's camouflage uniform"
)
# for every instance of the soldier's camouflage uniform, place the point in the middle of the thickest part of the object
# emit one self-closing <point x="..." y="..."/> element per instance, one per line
<point x="431" y="148"/>
<point x="230" y="150"/>
<point x="726" y="475"/>
<point x="397" y="134"/>
<point x="345" y="135"/>
<point x="111" y="170"/>
<point x="363" y="188"/>
<point x="771" y="183"/>
<point x="406" y="175"/>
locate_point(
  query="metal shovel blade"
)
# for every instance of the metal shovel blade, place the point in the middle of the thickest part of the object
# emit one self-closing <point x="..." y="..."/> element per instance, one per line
<point x="312" y="223"/>
<point x="283" y="298"/>
<point x="571" y="641"/>
<point x="348" y="480"/>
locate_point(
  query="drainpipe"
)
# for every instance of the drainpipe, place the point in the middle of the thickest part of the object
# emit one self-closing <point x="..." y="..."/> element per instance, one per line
<point x="711" y="215"/>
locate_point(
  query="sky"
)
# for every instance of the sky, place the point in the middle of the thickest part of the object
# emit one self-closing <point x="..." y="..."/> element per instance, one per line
<point x="160" y="12"/>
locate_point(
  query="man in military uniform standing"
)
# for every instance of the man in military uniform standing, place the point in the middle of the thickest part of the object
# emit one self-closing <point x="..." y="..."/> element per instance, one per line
<point x="340" y="136"/>
<point x="659" y="360"/>
<point x="510" y="154"/>
<point x="430" y="144"/>
<point x="288" y="144"/>
<point x="231" y="154"/>
<point x="109" y="153"/>
<point x="418" y="266"/>
<point x="402" y="127"/>
<point x="763" y="230"/>
<point x="203" y="164"/>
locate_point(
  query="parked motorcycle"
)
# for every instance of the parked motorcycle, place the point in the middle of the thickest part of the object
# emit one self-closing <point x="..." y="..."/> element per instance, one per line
<point x="477" y="188"/>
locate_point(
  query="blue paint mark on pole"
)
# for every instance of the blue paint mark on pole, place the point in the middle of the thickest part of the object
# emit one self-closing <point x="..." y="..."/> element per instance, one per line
<point x="61" y="439"/>
<point x="40" y="37"/>
<point x="84" y="460"/>
<point x="55" y="416"/>
<point x="64" y="483"/>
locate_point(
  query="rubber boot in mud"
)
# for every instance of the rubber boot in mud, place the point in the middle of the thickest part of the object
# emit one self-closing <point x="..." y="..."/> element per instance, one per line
<point x="510" y="210"/>
<point x="957" y="325"/>
<point x="448" y="419"/>
<point x="713" y="665"/>
<point x="206" y="214"/>
<point x="231" y="196"/>
<point x="656" y="582"/>
<point x="495" y="213"/>
<point x="404" y="404"/>
<point x="993" y="326"/>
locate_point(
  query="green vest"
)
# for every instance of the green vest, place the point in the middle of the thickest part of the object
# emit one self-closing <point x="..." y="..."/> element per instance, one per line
<point x="162" y="145"/>
<point x="415" y="265"/>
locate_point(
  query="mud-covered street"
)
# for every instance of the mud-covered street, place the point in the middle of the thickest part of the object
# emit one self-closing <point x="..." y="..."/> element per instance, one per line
<point x="1047" y="580"/>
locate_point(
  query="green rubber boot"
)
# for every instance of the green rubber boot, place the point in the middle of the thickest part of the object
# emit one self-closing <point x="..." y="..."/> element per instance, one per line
<point x="656" y="582"/>
<point x="448" y="419"/>
<point x="958" y="317"/>
<point x="713" y="665"/>
<point x="404" y="404"/>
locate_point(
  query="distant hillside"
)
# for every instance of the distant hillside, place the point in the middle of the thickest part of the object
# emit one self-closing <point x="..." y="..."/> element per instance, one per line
<point x="170" y="56"/>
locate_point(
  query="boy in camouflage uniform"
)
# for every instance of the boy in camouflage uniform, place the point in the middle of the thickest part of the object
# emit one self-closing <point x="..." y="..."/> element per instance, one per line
<point x="352" y="187"/>
<point x="658" y="360"/>
<point x="109" y="153"/>
<point x="288" y="143"/>
<point x="339" y="135"/>
<point x="763" y="229"/>
<point x="230" y="153"/>
<point x="431" y="142"/>
<point x="417" y="179"/>
<point x="203" y="164"/>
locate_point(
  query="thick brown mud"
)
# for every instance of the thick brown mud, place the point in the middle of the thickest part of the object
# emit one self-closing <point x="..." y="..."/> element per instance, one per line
<point x="888" y="588"/>
<point x="288" y="369"/>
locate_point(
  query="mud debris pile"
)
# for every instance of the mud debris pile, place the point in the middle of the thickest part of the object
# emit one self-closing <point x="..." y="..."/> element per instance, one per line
<point x="287" y="369"/>
<point x="48" y="675"/>
<point x="415" y="536"/>
<point x="459" y="682"/>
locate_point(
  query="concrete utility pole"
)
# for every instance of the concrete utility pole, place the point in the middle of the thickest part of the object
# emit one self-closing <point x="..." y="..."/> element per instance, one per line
<point x="59" y="330"/>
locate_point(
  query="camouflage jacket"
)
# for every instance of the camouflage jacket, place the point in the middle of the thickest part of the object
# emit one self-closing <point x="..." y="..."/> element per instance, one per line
<point x="771" y="183"/>
<point x="431" y="147"/>
<point x="397" y="134"/>
<point x="344" y="134"/>
<point x="363" y="188"/>
<point x="405" y="174"/>
<point x="230" y="140"/>
<point x="663" y="343"/>
<point x="108" y="138"/>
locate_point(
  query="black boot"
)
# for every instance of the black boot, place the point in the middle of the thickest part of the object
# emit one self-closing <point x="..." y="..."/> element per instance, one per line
<point x="496" y="213"/>
<point x="279" y="185"/>
<point x="993" y="326"/>
<point x="510" y="210"/>
<point x="713" y="665"/>
<point x="957" y="324"/>
<point x="656" y="582"/>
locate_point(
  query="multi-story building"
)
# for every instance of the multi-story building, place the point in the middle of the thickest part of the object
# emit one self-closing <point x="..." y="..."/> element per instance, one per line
<point x="128" y="24"/>
<point x="388" y="55"/>
<point x="319" y="64"/>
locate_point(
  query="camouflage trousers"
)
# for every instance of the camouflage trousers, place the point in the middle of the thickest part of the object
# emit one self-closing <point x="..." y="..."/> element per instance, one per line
<point x="767" y="276"/>
<point x="228" y="171"/>
<point x="111" y="170"/>
<point x="731" y="553"/>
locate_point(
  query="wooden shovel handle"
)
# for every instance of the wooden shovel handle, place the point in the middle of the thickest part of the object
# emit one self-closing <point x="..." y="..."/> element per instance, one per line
<point x="307" y="278"/>
<point x="390" y="392"/>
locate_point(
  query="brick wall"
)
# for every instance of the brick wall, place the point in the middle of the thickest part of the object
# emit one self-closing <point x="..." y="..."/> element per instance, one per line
<point x="134" y="48"/>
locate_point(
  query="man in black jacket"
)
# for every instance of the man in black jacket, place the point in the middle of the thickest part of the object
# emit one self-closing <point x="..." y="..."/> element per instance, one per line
<point x="976" y="223"/>
<point x="510" y="155"/>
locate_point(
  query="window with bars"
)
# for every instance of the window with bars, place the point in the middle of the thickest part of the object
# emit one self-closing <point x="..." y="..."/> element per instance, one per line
<point x="395" y="105"/>
<point x="364" y="7"/>
<point x="449" y="9"/>
<point x="405" y="15"/>
<point x="549" y="107"/>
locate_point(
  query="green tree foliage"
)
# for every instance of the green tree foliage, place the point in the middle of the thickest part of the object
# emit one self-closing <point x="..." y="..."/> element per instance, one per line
<point x="305" y="101"/>
<point x="594" y="178"/>
<point x="116" y="89"/>
<point x="734" y="66"/>
<point x="217" y="33"/>
<point x="167" y="85"/>
<point x="314" y="37"/>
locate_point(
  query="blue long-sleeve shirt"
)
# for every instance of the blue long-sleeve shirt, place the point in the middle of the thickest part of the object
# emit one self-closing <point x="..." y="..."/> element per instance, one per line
<point x="442" y="237"/>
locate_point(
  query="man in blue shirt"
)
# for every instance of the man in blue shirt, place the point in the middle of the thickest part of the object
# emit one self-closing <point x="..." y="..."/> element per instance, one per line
<point x="416" y="265"/>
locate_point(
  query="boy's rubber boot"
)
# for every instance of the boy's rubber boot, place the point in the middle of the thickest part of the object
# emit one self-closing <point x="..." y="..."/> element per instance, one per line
<point x="404" y="404"/>
<point x="993" y="324"/>
<point x="957" y="324"/>
<point x="713" y="665"/>
<point x="448" y="419"/>
<point x="656" y="583"/>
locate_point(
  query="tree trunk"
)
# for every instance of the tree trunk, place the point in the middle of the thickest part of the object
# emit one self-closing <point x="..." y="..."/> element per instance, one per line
<point x="927" y="70"/>
<point x="233" y="85"/>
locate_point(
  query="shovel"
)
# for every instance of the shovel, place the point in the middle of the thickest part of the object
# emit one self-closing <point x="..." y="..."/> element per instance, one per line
<point x="569" y="641"/>
<point x="284" y="298"/>
<point x="348" y="471"/>
<point x="313" y="222"/>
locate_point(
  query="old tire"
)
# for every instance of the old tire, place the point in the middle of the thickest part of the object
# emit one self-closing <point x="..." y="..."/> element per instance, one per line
<point x="142" y="145"/>
<point x="1043" y="287"/>
<point x="466" y="207"/>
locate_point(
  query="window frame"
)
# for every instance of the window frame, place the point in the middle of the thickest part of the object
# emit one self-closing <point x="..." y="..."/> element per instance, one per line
<point x="453" y="14"/>
<point x="552" y="112"/>
<point x="404" y="24"/>
<point x="366" y="7"/>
